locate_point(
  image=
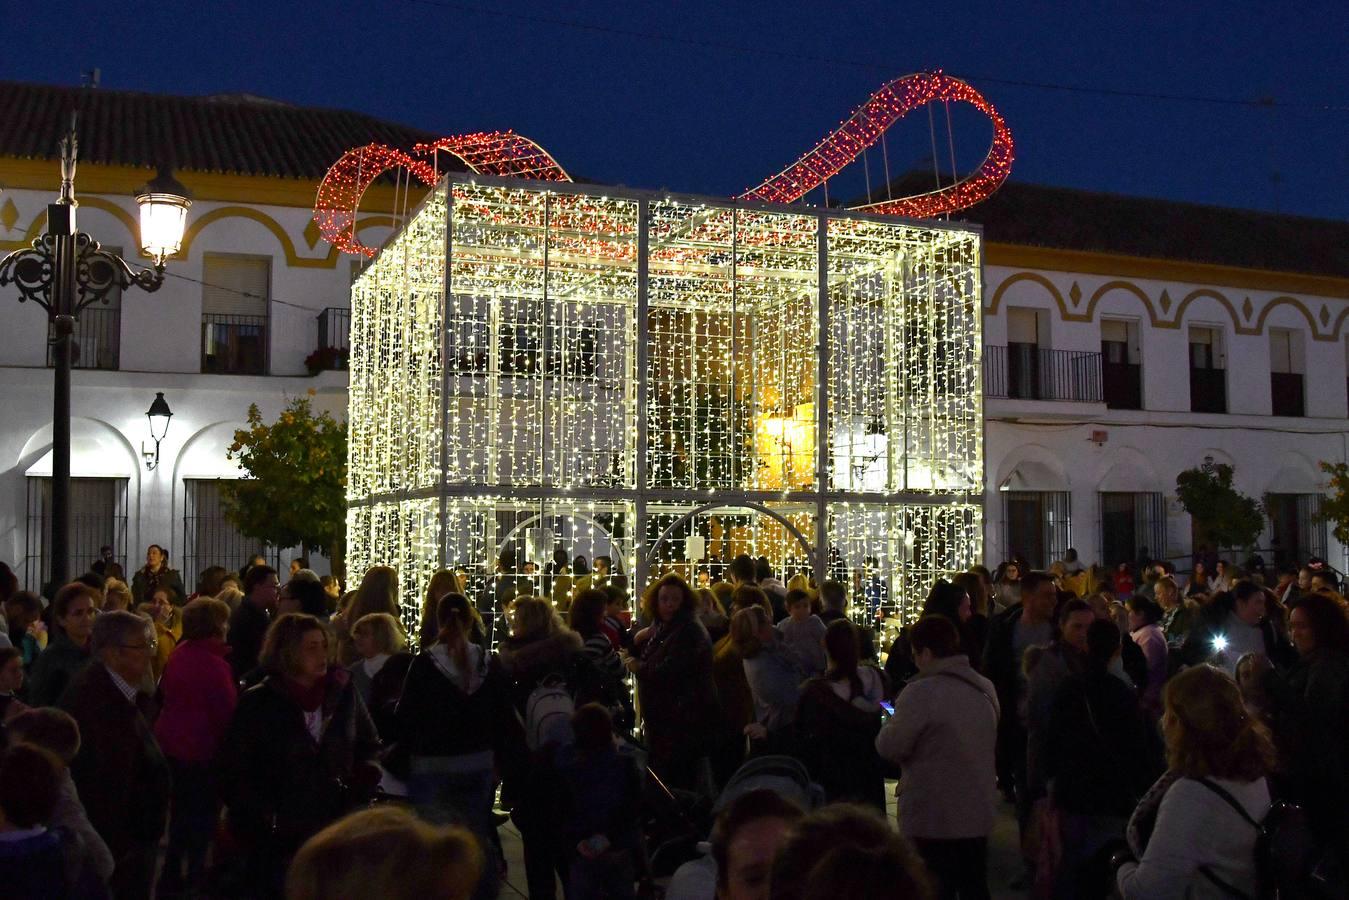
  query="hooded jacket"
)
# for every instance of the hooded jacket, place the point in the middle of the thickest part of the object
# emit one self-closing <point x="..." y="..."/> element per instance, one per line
<point x="943" y="734"/>
<point x="442" y="714"/>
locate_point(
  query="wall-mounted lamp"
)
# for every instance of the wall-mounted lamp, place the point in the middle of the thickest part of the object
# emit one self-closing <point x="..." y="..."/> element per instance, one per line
<point x="159" y="415"/>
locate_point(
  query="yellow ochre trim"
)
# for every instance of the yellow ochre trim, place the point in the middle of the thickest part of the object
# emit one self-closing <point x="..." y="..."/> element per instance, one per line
<point x="1124" y="266"/>
<point x="197" y="224"/>
<point x="1177" y="319"/>
<point x="45" y="175"/>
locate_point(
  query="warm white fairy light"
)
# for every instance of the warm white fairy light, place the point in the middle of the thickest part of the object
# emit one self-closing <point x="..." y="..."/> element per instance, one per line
<point x="535" y="348"/>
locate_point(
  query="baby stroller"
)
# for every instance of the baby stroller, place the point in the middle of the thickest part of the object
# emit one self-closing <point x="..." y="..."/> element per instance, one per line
<point x="688" y="828"/>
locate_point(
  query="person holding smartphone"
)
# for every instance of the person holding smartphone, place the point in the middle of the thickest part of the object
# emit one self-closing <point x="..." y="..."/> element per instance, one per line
<point x="943" y="735"/>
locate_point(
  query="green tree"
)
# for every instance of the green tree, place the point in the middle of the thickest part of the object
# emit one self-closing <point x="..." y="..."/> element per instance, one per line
<point x="295" y="492"/>
<point x="1335" y="509"/>
<point x="1223" y="516"/>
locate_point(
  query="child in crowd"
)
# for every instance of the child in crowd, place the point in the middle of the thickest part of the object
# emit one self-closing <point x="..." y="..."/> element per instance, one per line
<point x="1123" y="583"/>
<point x="803" y="632"/>
<point x="617" y="624"/>
<point x="602" y="794"/>
<point x="11" y="682"/>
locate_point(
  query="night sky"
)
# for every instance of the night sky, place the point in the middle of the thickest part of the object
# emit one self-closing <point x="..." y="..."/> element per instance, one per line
<point x="712" y="98"/>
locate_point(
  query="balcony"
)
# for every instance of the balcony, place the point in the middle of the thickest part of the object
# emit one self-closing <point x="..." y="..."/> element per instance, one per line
<point x="1122" y="385"/>
<point x="1286" y="390"/>
<point x="1208" y="390"/>
<point x="334" y="344"/>
<point x="233" y="345"/>
<point x="98" y="339"/>
<point x="1028" y="372"/>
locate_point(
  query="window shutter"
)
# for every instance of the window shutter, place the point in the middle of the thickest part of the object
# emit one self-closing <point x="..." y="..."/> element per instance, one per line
<point x="235" y="286"/>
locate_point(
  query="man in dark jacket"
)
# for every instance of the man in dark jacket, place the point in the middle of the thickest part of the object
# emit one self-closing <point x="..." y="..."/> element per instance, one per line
<point x="249" y="623"/>
<point x="1029" y="623"/>
<point x="1231" y="626"/>
<point x="121" y="775"/>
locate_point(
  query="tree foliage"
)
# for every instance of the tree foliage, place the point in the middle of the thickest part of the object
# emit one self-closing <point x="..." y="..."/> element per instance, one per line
<point x="1335" y="509"/>
<point x="1223" y="516"/>
<point x="295" y="492"/>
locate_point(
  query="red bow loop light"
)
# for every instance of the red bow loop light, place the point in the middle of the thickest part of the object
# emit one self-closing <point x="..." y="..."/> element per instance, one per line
<point x="484" y="153"/>
<point x="509" y="154"/>
<point x="864" y="128"/>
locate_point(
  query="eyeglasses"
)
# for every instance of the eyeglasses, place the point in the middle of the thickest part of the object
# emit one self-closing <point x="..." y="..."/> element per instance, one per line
<point x="151" y="645"/>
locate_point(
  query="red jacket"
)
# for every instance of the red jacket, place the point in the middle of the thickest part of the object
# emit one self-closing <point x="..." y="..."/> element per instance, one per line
<point x="198" y="699"/>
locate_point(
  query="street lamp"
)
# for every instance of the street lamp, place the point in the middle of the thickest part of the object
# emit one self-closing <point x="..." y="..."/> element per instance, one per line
<point x="159" y="415"/>
<point x="65" y="271"/>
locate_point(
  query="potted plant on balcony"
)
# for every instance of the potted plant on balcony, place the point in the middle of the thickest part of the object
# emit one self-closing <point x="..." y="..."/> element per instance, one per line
<point x="325" y="358"/>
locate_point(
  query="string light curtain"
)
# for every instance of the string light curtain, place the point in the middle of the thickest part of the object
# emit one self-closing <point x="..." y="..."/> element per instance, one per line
<point x="668" y="382"/>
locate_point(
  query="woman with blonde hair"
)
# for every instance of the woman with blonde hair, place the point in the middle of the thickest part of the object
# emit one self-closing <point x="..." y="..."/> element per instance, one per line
<point x="378" y="593"/>
<point x="116" y="595"/>
<point x="775" y="675"/>
<point x="168" y="627"/>
<point x="386" y="852"/>
<point x="230" y="595"/>
<point x="540" y="652"/>
<point x="378" y="674"/>
<point x="1203" y="840"/>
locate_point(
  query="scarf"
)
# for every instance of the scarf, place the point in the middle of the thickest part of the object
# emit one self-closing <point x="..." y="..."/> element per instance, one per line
<point x="309" y="698"/>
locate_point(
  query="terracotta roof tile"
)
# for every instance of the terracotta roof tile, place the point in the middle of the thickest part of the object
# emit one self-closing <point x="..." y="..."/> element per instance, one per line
<point x="1071" y="219"/>
<point x="232" y="134"/>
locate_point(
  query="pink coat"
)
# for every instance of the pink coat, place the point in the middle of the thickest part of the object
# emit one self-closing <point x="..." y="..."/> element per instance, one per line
<point x="199" y="696"/>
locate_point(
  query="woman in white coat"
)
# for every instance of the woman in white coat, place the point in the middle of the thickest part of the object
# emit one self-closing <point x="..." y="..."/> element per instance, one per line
<point x="1202" y="843"/>
<point x="943" y="735"/>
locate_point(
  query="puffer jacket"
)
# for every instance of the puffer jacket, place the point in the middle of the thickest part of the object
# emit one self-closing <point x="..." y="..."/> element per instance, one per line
<point x="943" y="734"/>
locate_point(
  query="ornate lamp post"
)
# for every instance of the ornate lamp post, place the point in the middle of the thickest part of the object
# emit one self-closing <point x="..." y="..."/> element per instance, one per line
<point x="66" y="271"/>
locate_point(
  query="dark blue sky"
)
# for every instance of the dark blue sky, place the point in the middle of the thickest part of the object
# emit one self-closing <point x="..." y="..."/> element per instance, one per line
<point x="703" y="112"/>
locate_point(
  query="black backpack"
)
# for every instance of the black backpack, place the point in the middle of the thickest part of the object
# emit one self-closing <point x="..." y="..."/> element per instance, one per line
<point x="1290" y="863"/>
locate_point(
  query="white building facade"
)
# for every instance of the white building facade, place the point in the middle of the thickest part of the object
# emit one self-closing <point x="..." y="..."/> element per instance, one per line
<point x="1107" y="373"/>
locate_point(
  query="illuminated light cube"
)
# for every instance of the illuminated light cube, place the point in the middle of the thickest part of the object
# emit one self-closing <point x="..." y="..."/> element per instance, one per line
<point x="537" y="367"/>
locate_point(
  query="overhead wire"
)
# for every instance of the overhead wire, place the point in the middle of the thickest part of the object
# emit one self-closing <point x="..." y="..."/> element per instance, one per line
<point x="1265" y="102"/>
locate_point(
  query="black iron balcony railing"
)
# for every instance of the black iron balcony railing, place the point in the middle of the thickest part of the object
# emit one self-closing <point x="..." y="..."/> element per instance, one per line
<point x="98" y="339"/>
<point x="334" y="344"/>
<point x="335" y="328"/>
<point x="233" y="345"/>
<point x="1208" y="390"/>
<point x="1028" y="372"/>
<point x="1286" y="389"/>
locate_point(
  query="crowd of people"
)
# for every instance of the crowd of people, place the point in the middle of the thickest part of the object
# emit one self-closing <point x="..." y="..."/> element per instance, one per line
<point x="264" y="739"/>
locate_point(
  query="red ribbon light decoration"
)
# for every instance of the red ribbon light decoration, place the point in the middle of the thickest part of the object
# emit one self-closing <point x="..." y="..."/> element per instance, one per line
<point x="486" y="153"/>
<point x="872" y="119"/>
<point x="510" y="154"/>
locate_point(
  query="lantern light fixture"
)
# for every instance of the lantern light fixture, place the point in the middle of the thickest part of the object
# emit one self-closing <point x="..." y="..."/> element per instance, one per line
<point x="163" y="206"/>
<point x="158" y="415"/>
